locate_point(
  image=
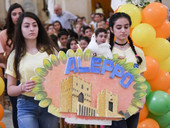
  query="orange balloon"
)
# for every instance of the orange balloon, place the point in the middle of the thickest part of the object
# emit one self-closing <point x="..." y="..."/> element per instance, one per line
<point x="168" y="91"/>
<point x="1" y="112"/>
<point x="2" y="125"/>
<point x="143" y="113"/>
<point x="163" y="31"/>
<point x="154" y="14"/>
<point x="152" y="68"/>
<point x="148" y="123"/>
<point x="161" y="81"/>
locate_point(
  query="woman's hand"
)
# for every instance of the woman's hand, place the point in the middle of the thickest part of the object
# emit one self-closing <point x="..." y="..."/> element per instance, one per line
<point x="27" y="86"/>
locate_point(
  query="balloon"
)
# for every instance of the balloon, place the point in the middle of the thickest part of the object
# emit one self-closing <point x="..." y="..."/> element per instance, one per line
<point x="163" y="31"/>
<point x="148" y="90"/>
<point x="143" y="35"/>
<point x="2" y="125"/>
<point x="165" y="65"/>
<point x="163" y="120"/>
<point x="133" y="11"/>
<point x="143" y="113"/>
<point x="158" y="50"/>
<point x="158" y="103"/>
<point x="154" y="14"/>
<point x="152" y="68"/>
<point x="2" y="86"/>
<point x="161" y="81"/>
<point x="148" y="123"/>
<point x="1" y="112"/>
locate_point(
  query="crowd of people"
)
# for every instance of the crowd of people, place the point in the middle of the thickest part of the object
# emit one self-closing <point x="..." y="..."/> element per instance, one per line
<point x="26" y="42"/>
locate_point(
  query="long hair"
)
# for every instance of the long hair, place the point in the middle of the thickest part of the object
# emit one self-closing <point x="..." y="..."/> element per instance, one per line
<point x="112" y="21"/>
<point x="9" y="23"/>
<point x="44" y="44"/>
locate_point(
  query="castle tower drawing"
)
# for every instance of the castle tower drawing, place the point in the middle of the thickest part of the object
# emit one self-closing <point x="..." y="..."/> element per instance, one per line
<point x="107" y="104"/>
<point x="75" y="90"/>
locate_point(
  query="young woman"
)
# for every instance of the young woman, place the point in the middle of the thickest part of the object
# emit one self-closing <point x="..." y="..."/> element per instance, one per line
<point x="31" y="46"/>
<point x="6" y="45"/>
<point x="123" y="46"/>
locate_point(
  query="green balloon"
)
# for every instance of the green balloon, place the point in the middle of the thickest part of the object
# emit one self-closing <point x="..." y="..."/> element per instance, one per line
<point x="158" y="103"/>
<point x="163" y="121"/>
<point x="148" y="90"/>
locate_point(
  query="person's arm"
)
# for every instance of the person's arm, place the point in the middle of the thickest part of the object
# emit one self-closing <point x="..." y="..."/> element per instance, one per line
<point x="14" y="90"/>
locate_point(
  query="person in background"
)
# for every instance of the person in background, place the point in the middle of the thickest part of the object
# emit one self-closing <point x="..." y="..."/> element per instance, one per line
<point x="84" y="42"/>
<point x="31" y="46"/>
<point x="62" y="38"/>
<point x="50" y="29"/>
<point x="99" y="47"/>
<point x="87" y="31"/>
<point x="6" y="45"/>
<point x="64" y="17"/>
<point x="99" y="8"/>
<point x="119" y="25"/>
<point x="57" y="26"/>
<point x="72" y="44"/>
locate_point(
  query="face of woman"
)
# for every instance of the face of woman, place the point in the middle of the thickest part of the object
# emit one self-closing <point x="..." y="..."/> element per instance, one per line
<point x="121" y="29"/>
<point x="57" y="26"/>
<point x="73" y="45"/>
<point x="15" y="15"/>
<point x="29" y="28"/>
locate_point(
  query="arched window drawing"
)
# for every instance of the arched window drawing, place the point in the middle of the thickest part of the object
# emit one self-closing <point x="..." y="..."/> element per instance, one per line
<point x="81" y="97"/>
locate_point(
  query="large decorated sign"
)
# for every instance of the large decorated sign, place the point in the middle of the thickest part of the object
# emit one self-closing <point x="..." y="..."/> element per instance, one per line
<point x="89" y="90"/>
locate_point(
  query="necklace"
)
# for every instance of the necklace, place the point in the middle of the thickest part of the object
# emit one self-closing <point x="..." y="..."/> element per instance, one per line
<point x="120" y="44"/>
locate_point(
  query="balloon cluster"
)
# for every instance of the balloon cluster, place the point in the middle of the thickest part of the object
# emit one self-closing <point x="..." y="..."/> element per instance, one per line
<point x="2" y="86"/>
<point x="150" y="29"/>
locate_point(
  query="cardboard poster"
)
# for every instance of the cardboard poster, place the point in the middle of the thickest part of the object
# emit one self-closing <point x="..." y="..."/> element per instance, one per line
<point x="89" y="90"/>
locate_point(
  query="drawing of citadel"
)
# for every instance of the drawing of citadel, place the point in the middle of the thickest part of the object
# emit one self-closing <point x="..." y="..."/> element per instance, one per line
<point x="76" y="98"/>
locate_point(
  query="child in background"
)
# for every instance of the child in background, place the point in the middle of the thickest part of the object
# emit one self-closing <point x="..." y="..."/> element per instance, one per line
<point x="99" y="47"/>
<point x="50" y="29"/>
<point x="72" y="44"/>
<point x="62" y="40"/>
<point x="84" y="42"/>
<point x="87" y="31"/>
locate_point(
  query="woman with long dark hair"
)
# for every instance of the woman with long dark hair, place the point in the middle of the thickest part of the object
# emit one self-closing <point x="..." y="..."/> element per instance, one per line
<point x="6" y="45"/>
<point x="31" y="46"/>
<point x="122" y="44"/>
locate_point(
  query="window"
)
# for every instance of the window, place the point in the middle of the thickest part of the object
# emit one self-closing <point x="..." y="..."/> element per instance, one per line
<point x="81" y="97"/>
<point x="111" y="106"/>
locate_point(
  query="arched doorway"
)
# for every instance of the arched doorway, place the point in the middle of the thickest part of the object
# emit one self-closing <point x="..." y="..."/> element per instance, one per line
<point x="81" y="98"/>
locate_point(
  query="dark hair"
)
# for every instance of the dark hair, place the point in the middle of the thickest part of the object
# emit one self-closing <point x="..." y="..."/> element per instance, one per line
<point x="9" y="23"/>
<point x="85" y="38"/>
<point x="112" y="21"/>
<point x="100" y="6"/>
<point x="85" y="28"/>
<point x="49" y="26"/>
<point x="63" y="32"/>
<point x="61" y="27"/>
<point x="99" y="30"/>
<point x="69" y="42"/>
<point x="43" y="41"/>
<point x="72" y="34"/>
